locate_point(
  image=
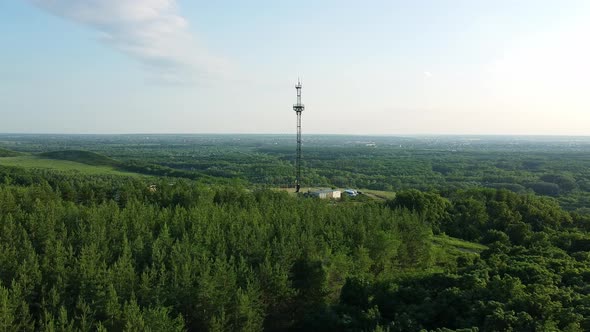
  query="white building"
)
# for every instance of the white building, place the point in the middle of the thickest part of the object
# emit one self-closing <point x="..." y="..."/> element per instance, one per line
<point x="327" y="194"/>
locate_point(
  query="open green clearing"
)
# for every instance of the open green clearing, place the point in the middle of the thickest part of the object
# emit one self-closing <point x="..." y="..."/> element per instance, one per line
<point x="28" y="161"/>
<point x="378" y="194"/>
<point x="81" y="156"/>
<point x="8" y="153"/>
<point x="453" y="244"/>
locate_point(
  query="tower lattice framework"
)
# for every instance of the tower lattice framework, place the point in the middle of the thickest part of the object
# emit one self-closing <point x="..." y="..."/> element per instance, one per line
<point x="298" y="108"/>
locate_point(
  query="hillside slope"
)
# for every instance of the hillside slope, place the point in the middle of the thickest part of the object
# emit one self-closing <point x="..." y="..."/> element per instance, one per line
<point x="9" y="153"/>
<point x="85" y="160"/>
<point x="35" y="162"/>
<point x="80" y="156"/>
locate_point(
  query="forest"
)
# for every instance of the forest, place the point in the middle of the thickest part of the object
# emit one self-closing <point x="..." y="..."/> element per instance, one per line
<point x="552" y="166"/>
<point x="194" y="233"/>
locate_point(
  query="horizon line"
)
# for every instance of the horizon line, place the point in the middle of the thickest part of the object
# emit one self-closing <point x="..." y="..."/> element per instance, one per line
<point x="289" y="134"/>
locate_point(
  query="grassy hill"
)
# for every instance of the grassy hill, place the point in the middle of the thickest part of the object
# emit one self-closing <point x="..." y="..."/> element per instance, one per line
<point x="94" y="163"/>
<point x="79" y="156"/>
<point x="85" y="162"/>
<point x="8" y="153"/>
<point x="30" y="161"/>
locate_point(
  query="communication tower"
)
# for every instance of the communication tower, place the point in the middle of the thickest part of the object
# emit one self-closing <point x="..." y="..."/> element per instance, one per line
<point x="298" y="108"/>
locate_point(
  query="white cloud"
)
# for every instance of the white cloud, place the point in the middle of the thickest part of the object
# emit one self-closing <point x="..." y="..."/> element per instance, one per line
<point x="151" y="31"/>
<point x="427" y="74"/>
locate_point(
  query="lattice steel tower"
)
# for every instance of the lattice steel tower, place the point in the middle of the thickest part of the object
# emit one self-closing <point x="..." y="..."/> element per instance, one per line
<point x="298" y="108"/>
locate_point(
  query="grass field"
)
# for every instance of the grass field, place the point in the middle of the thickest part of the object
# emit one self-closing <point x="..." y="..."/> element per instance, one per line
<point x="378" y="194"/>
<point x="374" y="194"/>
<point x="8" y="153"/>
<point x="446" y="249"/>
<point x="451" y="243"/>
<point x="79" y="156"/>
<point x="62" y="165"/>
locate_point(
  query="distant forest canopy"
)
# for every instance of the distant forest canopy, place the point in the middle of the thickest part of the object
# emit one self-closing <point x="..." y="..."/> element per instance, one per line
<point x="119" y="233"/>
<point x="552" y="166"/>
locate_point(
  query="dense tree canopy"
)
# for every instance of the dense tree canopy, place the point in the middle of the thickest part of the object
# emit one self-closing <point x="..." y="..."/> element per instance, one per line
<point x="113" y="253"/>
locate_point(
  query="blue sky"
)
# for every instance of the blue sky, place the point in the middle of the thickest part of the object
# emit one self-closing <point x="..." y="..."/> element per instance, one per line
<point x="368" y="67"/>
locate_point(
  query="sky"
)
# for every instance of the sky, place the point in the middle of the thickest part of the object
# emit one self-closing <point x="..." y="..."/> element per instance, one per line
<point x="485" y="67"/>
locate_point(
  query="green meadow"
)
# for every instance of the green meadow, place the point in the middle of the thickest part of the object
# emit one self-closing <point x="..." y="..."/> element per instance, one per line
<point x="29" y="161"/>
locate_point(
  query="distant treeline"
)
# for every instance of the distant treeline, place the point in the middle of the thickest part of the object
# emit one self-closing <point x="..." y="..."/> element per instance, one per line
<point x="557" y="167"/>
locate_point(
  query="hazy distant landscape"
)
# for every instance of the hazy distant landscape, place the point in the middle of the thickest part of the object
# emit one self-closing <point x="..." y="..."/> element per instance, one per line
<point x="550" y="166"/>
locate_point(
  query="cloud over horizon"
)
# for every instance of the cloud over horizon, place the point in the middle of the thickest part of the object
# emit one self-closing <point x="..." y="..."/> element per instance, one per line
<point x="152" y="32"/>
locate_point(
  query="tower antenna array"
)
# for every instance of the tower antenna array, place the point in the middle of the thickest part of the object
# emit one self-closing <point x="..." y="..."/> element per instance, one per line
<point x="298" y="108"/>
